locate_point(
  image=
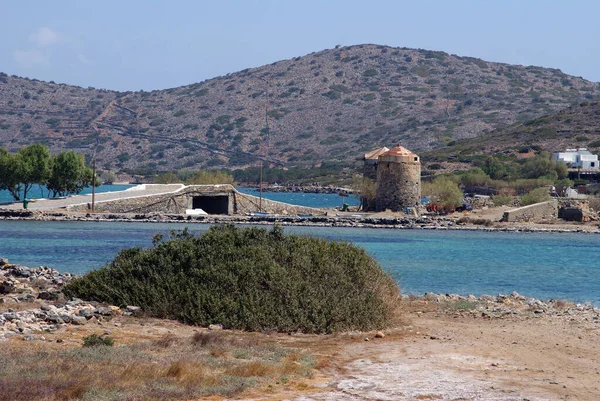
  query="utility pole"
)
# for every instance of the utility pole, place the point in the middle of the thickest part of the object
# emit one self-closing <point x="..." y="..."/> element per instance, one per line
<point x="94" y="173"/>
<point x="268" y="140"/>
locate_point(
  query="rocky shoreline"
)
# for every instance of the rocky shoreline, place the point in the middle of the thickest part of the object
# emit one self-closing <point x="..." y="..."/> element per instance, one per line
<point x="32" y="305"/>
<point x="312" y="189"/>
<point x="341" y="220"/>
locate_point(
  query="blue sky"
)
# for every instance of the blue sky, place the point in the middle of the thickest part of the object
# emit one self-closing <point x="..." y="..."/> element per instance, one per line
<point x="150" y="44"/>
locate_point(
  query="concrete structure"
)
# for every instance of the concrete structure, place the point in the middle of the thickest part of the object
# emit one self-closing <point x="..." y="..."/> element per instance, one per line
<point x="578" y="158"/>
<point x="370" y="160"/>
<point x="213" y="199"/>
<point x="398" y="180"/>
<point x="536" y="212"/>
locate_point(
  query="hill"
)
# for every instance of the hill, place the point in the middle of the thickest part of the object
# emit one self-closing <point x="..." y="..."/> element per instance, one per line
<point x="572" y="127"/>
<point x="330" y="105"/>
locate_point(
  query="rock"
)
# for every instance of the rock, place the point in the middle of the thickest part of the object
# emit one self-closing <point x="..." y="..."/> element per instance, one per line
<point x="78" y="320"/>
<point x="215" y="327"/>
<point x="28" y="338"/>
<point x="54" y="319"/>
<point x="3" y="261"/>
<point x="48" y="295"/>
<point x="133" y="309"/>
<point x="65" y="317"/>
<point x="379" y="334"/>
<point x="47" y="308"/>
<point x="86" y="312"/>
<point x="103" y="311"/>
<point x="115" y="310"/>
<point x="6" y="287"/>
<point x="10" y="316"/>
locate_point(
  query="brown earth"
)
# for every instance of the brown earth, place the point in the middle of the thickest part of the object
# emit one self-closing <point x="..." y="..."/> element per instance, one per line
<point x="442" y="352"/>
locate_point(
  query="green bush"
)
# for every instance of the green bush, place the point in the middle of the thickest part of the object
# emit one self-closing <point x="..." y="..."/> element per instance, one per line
<point x="94" y="340"/>
<point x="535" y="196"/>
<point x="502" y="200"/>
<point x="248" y="279"/>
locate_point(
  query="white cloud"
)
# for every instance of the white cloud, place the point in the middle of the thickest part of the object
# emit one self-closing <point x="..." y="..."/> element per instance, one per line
<point x="45" y="36"/>
<point x="31" y="58"/>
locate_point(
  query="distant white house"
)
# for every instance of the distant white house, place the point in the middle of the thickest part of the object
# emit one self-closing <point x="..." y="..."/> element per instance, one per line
<point x="578" y="158"/>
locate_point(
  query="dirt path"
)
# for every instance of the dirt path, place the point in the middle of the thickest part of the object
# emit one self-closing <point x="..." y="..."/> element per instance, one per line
<point x="465" y="358"/>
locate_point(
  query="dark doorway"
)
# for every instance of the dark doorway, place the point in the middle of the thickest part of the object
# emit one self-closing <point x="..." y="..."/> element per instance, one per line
<point x="212" y="204"/>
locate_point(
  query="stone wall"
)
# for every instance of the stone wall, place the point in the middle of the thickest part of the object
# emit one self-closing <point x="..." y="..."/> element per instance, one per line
<point x="538" y="211"/>
<point x="398" y="185"/>
<point x="247" y="203"/>
<point x="178" y="202"/>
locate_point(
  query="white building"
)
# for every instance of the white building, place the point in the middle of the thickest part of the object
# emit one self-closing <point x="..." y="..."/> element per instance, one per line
<point x="576" y="158"/>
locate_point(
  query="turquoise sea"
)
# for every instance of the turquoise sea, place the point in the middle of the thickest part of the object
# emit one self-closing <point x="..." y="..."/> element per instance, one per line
<point x="304" y="199"/>
<point x="540" y="265"/>
<point x="296" y="198"/>
<point x="36" y="192"/>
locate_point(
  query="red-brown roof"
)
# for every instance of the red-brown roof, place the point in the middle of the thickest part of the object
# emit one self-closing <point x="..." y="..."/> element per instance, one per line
<point x="398" y="151"/>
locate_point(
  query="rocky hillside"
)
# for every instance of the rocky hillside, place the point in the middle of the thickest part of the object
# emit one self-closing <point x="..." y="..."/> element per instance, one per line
<point x="329" y="105"/>
<point x="573" y="127"/>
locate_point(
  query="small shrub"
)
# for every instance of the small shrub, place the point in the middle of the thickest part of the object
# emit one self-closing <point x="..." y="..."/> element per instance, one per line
<point x="94" y="340"/>
<point x="535" y="196"/>
<point x="502" y="200"/>
<point x="249" y="279"/>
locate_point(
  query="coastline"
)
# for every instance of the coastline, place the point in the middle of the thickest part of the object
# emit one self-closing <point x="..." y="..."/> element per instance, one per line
<point x="31" y="301"/>
<point x="342" y="220"/>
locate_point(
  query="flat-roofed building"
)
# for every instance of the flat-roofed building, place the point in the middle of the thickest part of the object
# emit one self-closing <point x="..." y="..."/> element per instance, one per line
<point x="578" y="158"/>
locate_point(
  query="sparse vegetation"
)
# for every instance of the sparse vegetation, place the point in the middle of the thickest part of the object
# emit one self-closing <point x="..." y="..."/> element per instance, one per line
<point x="169" y="368"/>
<point x="94" y="340"/>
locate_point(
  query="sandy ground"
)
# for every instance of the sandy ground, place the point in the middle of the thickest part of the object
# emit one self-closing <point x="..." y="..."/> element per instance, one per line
<point x="467" y="359"/>
<point x="436" y="355"/>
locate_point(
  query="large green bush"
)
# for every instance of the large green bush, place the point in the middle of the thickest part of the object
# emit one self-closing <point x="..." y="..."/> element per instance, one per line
<point x="249" y="279"/>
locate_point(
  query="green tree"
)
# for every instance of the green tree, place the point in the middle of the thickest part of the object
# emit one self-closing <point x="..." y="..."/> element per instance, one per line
<point x="444" y="191"/>
<point x="34" y="166"/>
<point x="542" y="165"/>
<point x="10" y="171"/>
<point x="69" y="174"/>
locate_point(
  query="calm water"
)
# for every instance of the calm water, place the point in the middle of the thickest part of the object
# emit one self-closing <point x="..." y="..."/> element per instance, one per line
<point x="541" y="265"/>
<point x="303" y="199"/>
<point x="35" y="192"/>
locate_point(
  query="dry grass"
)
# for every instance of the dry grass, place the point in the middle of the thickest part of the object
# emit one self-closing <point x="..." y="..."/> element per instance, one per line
<point x="20" y="306"/>
<point x="166" y="368"/>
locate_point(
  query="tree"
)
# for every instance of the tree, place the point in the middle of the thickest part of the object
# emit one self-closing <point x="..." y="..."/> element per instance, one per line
<point x="69" y="174"/>
<point x="444" y="192"/>
<point x="542" y="165"/>
<point x="10" y="171"/>
<point x="34" y="166"/>
<point x="167" y="178"/>
<point x="365" y="190"/>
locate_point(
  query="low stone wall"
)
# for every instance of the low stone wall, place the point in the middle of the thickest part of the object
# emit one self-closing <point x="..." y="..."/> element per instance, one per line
<point x="245" y="203"/>
<point x="171" y="203"/>
<point x="179" y="201"/>
<point x="538" y="211"/>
